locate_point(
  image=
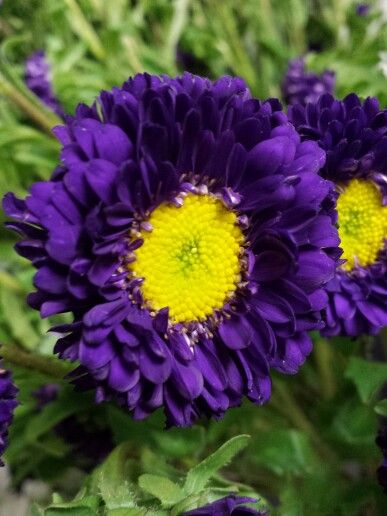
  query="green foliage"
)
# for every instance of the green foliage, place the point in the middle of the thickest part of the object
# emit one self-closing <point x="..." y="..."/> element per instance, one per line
<point x="367" y="376"/>
<point x="311" y="449"/>
<point x="109" y="492"/>
<point x="198" y="477"/>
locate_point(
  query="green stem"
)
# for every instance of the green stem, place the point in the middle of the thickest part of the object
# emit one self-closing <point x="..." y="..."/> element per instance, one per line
<point x="9" y="282"/>
<point x="241" y="62"/>
<point x="42" y="117"/>
<point x="85" y="30"/>
<point x="323" y="357"/>
<point x="286" y="403"/>
<point x="178" y="22"/>
<point x="44" y="365"/>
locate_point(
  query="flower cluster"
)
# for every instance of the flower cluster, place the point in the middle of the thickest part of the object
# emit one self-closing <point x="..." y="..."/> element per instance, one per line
<point x="37" y="77"/>
<point x="190" y="235"/>
<point x="301" y="87"/>
<point x="354" y="136"/>
<point x="8" y="403"/>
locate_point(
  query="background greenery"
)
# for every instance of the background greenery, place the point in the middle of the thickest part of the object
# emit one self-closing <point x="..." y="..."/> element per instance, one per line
<point x="311" y="450"/>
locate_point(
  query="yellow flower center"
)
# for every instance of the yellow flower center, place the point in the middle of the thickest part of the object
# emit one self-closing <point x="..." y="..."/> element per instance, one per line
<point x="190" y="260"/>
<point x="362" y="223"/>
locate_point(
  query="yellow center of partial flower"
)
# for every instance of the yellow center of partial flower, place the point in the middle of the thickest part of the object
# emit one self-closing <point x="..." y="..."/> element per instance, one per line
<point x="190" y="260"/>
<point x="362" y="223"/>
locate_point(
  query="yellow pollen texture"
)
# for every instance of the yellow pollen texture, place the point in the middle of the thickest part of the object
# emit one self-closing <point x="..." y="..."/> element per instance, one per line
<point x="362" y="223"/>
<point x="190" y="260"/>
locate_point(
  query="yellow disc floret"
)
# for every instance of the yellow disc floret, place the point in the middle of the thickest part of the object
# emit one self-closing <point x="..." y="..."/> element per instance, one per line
<point x="362" y="223"/>
<point x="190" y="261"/>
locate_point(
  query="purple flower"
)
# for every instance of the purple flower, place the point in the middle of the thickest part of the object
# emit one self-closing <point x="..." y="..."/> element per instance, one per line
<point x="37" y="77"/>
<point x="8" y="403"/>
<point x="190" y="235"/>
<point x="300" y="87"/>
<point x="381" y="441"/>
<point x="227" y="506"/>
<point x="362" y="9"/>
<point x="45" y="394"/>
<point x="354" y="136"/>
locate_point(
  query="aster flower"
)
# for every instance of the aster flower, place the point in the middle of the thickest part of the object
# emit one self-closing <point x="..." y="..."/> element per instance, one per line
<point x="189" y="234"/>
<point x="227" y="506"/>
<point x="37" y="77"/>
<point x="8" y="403"/>
<point x="354" y="135"/>
<point x="381" y="441"/>
<point x="300" y="86"/>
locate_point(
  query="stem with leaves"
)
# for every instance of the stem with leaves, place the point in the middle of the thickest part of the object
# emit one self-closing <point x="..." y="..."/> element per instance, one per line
<point x="44" y="365"/>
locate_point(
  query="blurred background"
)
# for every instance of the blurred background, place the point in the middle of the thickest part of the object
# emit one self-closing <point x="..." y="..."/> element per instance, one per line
<point x="312" y="449"/>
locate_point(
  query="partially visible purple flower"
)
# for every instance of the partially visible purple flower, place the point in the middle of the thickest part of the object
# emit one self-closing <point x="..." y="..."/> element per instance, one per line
<point x="37" y="77"/>
<point x="300" y="86"/>
<point x="227" y="506"/>
<point x="8" y="403"/>
<point x="381" y="441"/>
<point x="354" y="136"/>
<point x="45" y="394"/>
<point x="362" y="9"/>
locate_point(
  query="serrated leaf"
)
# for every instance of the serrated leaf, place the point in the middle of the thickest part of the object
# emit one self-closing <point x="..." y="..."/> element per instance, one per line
<point x="198" y="477"/>
<point x="161" y="488"/>
<point x="110" y="479"/>
<point x="367" y="376"/>
<point x="381" y="408"/>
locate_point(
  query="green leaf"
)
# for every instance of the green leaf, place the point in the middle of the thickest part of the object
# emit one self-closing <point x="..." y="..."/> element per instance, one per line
<point x="87" y="506"/>
<point x="367" y="376"/>
<point x="284" y="451"/>
<point x="161" y="488"/>
<point x="355" y="424"/>
<point x="381" y="408"/>
<point x="198" y="477"/>
<point x="134" y="511"/>
<point x="111" y="479"/>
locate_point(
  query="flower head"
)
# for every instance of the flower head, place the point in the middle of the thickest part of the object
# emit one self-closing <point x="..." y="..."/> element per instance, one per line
<point x="300" y="86"/>
<point x="190" y="236"/>
<point x="8" y="403"/>
<point x="354" y="135"/>
<point x="227" y="506"/>
<point x="37" y="77"/>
